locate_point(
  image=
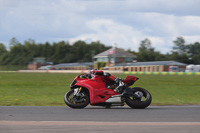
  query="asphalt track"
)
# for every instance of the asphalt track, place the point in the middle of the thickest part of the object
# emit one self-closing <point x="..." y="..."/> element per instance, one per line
<point x="61" y="119"/>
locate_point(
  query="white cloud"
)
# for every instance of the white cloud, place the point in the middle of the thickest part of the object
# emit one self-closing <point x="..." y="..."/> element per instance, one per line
<point x="161" y="29"/>
<point x="176" y="7"/>
<point x="192" y="39"/>
<point x="124" y="22"/>
<point x="109" y="32"/>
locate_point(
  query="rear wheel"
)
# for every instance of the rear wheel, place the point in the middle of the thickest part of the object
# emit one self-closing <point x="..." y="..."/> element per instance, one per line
<point x="142" y="100"/>
<point x="74" y="101"/>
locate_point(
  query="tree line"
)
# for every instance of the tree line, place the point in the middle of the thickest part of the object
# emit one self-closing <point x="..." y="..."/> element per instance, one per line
<point x="182" y="52"/>
<point x="61" y="52"/>
<point x="80" y="51"/>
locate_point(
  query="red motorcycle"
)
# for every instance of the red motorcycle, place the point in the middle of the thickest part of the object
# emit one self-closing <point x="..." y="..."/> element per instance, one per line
<point x="98" y="92"/>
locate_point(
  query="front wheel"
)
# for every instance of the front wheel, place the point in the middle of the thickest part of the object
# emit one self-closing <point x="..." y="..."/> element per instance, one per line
<point x="141" y="98"/>
<point x="74" y="101"/>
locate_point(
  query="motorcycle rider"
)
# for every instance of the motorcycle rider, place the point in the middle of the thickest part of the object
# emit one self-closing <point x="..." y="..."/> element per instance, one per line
<point x="108" y="79"/>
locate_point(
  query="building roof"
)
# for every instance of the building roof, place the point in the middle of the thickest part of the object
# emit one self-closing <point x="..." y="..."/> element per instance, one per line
<point x="64" y="65"/>
<point x="117" y="52"/>
<point x="151" y="63"/>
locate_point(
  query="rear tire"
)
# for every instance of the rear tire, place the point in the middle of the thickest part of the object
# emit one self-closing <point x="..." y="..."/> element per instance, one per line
<point x="84" y="101"/>
<point x="139" y="103"/>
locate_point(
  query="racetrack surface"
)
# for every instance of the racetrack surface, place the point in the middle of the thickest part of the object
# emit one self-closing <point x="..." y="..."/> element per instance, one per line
<point x="162" y="119"/>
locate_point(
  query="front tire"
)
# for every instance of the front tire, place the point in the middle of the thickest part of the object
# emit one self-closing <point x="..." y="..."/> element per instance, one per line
<point x="139" y="103"/>
<point x="72" y="101"/>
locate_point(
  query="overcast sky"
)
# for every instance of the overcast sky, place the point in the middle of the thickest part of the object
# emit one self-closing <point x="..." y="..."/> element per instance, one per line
<point x="125" y="22"/>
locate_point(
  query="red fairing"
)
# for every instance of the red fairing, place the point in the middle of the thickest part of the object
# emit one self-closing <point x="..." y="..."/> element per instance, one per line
<point x="97" y="86"/>
<point x="103" y="89"/>
<point x="130" y="80"/>
<point x="111" y="78"/>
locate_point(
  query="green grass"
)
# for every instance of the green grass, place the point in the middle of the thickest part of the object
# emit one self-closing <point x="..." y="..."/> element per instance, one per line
<point x="45" y="89"/>
<point x="171" y="89"/>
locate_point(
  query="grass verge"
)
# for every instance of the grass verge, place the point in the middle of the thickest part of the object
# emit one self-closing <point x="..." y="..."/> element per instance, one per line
<point x="45" y="89"/>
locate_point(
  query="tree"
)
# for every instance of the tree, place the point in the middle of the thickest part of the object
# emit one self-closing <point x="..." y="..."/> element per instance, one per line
<point x="101" y="65"/>
<point x="147" y="52"/>
<point x="145" y="45"/>
<point x="180" y="51"/>
<point x="3" y="53"/>
<point x="14" y="41"/>
<point x="2" y="49"/>
<point x="194" y="53"/>
<point x="180" y="46"/>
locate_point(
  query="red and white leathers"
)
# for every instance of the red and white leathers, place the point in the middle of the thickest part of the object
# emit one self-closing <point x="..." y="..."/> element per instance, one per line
<point x="100" y="74"/>
<point x="108" y="79"/>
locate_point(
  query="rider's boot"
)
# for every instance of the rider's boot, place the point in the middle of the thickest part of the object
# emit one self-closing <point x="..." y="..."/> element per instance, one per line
<point x="120" y="87"/>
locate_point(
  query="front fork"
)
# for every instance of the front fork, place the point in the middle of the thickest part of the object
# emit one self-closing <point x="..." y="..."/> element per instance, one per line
<point x="78" y="95"/>
<point x="77" y="91"/>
